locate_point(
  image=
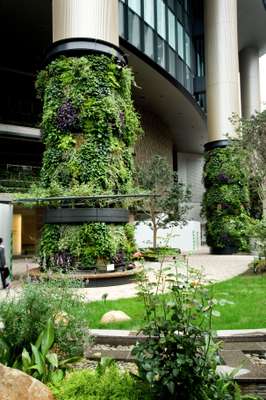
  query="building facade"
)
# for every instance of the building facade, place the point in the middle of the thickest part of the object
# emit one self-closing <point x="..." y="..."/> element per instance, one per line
<point x="195" y="63"/>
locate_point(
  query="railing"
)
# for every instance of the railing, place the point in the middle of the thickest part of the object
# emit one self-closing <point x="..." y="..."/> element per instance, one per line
<point x="17" y="178"/>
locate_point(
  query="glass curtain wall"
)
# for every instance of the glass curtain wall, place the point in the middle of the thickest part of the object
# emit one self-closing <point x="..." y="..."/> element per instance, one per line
<point x="163" y="30"/>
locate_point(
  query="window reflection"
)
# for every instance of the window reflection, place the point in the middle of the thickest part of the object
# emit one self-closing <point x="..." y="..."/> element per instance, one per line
<point x="134" y="29"/>
<point x="148" y="41"/>
<point x="149" y="12"/>
<point x="161" y="28"/>
<point x="171" y="29"/>
<point x="135" y="5"/>
<point x="180" y="40"/>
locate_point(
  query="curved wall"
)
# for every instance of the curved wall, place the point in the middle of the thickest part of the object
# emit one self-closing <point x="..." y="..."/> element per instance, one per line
<point x="169" y="32"/>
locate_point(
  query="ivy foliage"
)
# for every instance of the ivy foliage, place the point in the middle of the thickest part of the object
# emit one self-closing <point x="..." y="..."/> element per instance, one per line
<point x="226" y="202"/>
<point x="89" y="125"/>
<point x="71" y="246"/>
<point x="89" y="128"/>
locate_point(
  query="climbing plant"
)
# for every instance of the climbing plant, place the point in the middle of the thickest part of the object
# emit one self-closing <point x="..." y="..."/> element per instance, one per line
<point x="226" y="202"/>
<point x="89" y="127"/>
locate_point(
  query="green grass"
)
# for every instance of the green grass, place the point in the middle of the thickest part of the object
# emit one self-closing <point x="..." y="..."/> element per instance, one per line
<point x="248" y="311"/>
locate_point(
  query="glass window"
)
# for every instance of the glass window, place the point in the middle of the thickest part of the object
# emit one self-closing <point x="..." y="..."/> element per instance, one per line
<point x="171" y="4"/>
<point x="189" y="80"/>
<point x="179" y="12"/>
<point x="135" y="5"/>
<point x="149" y="12"/>
<point x="187" y="46"/>
<point x="172" y="62"/>
<point x="160" y="52"/>
<point x="180" y="37"/>
<point x="134" y="29"/>
<point x="148" y="41"/>
<point x="171" y="29"/>
<point x="121" y="20"/>
<point x="161" y="28"/>
<point x="180" y="71"/>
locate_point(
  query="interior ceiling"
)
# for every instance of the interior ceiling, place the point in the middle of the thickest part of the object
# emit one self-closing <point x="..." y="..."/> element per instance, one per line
<point x="252" y="25"/>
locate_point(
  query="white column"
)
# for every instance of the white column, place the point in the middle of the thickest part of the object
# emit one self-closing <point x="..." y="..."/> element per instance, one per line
<point x="250" y="81"/>
<point x="222" y="83"/>
<point x="96" y="19"/>
<point x="6" y="217"/>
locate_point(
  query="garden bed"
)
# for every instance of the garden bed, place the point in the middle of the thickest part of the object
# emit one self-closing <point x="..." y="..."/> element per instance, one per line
<point x="91" y="278"/>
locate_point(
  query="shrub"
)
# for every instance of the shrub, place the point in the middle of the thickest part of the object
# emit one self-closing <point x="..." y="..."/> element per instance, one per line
<point x="109" y="384"/>
<point x="25" y="317"/>
<point x="179" y="358"/>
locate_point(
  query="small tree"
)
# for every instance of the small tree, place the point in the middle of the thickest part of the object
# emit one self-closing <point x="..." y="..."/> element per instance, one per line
<point x="167" y="205"/>
<point x="252" y="138"/>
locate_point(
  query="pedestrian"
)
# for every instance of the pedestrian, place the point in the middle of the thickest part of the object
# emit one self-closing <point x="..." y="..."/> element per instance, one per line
<point x="4" y="271"/>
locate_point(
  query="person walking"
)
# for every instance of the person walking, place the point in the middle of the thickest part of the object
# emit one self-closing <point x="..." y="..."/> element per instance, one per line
<point x="4" y="271"/>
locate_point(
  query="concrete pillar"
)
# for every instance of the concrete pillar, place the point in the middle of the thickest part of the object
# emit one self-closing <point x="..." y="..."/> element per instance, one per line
<point x="221" y="47"/>
<point x="6" y="217"/>
<point x="94" y="19"/>
<point x="250" y="81"/>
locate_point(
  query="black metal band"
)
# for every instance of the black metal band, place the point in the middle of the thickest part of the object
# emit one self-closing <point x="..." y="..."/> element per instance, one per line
<point x="83" y="215"/>
<point x="80" y="46"/>
<point x="216" y="144"/>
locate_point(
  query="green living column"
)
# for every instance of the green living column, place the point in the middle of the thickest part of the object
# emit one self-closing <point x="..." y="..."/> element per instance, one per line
<point x="89" y="127"/>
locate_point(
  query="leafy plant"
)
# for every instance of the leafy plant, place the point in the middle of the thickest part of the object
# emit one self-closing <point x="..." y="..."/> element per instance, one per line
<point x="106" y="383"/>
<point x="252" y="140"/>
<point x="258" y="233"/>
<point x="179" y="358"/>
<point x="226" y="202"/>
<point x="167" y="205"/>
<point x="71" y="246"/>
<point x="89" y="127"/>
<point x="24" y="319"/>
<point x="43" y="363"/>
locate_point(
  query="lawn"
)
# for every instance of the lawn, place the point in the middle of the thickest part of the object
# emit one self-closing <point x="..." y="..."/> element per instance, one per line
<point x="247" y="292"/>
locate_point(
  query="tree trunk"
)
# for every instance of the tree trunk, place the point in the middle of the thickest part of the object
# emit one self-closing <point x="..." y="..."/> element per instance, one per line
<point x="154" y="230"/>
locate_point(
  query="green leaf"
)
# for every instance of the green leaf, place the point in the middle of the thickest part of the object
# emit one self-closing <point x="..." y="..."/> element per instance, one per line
<point x="48" y="337"/>
<point x="39" y="361"/>
<point x="39" y="340"/>
<point x="53" y="359"/>
<point x="26" y="360"/>
<point x="69" y="361"/>
<point x="4" y="352"/>
<point x="171" y="387"/>
<point x="56" y="377"/>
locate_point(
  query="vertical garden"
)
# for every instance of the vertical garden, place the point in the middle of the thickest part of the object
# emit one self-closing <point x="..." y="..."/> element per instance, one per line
<point x="89" y="127"/>
<point x="226" y="202"/>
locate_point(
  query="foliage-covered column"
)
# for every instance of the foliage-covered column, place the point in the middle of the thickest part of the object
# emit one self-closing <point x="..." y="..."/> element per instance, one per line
<point x="89" y="127"/>
<point x="226" y="201"/>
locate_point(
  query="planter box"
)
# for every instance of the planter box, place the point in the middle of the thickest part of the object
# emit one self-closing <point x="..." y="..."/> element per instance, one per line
<point x="83" y="215"/>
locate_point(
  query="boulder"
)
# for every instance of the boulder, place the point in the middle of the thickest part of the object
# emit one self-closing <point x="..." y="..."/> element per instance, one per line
<point x="114" y="316"/>
<point x="16" y="385"/>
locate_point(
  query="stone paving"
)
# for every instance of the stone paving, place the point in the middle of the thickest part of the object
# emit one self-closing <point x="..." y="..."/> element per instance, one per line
<point x="214" y="267"/>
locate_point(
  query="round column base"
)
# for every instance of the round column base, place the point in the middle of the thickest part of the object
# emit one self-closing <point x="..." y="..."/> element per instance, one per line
<point x="80" y="46"/>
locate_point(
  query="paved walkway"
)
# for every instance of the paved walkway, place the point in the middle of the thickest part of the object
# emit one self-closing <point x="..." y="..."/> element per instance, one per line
<point x="214" y="267"/>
